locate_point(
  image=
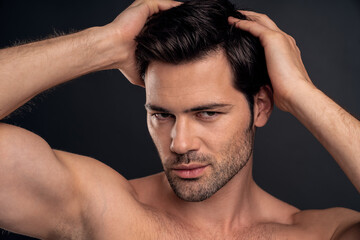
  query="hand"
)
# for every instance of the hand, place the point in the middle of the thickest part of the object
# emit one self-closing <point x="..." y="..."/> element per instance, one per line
<point x="128" y="25"/>
<point x="285" y="67"/>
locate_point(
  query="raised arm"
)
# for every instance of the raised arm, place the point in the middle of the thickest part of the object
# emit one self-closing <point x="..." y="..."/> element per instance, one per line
<point x="27" y="70"/>
<point x="42" y="191"/>
<point x="337" y="130"/>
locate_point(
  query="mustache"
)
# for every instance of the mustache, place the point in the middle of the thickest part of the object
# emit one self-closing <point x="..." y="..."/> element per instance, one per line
<point x="188" y="158"/>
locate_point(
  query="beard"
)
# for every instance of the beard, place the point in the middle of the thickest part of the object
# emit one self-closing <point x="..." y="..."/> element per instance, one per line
<point x="233" y="156"/>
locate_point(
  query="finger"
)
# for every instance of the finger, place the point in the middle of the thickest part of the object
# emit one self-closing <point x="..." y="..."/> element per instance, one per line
<point x="161" y="5"/>
<point x="261" y="18"/>
<point x="165" y="5"/>
<point x="252" y="27"/>
<point x="248" y="14"/>
<point x="233" y="20"/>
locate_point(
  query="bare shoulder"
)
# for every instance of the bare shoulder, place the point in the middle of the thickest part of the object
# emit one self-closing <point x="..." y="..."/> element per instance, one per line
<point x="108" y="201"/>
<point x="91" y="173"/>
<point x="95" y="180"/>
<point x="335" y="223"/>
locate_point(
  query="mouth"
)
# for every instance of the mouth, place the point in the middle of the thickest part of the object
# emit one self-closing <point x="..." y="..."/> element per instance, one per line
<point x="189" y="171"/>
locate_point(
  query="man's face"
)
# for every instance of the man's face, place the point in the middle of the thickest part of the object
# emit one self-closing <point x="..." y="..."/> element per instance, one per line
<point x="199" y="123"/>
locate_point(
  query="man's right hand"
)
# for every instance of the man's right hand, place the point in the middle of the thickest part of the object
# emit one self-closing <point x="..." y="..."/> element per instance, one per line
<point x="46" y="193"/>
<point x="39" y="66"/>
<point x="128" y="25"/>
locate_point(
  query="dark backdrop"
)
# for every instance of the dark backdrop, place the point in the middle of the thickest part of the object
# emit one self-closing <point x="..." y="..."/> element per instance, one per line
<point x="101" y="115"/>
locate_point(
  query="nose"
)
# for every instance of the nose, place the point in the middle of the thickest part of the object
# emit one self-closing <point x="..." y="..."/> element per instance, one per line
<point x="183" y="138"/>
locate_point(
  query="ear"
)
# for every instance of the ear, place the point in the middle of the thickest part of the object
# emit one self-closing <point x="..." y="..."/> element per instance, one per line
<point x="263" y="105"/>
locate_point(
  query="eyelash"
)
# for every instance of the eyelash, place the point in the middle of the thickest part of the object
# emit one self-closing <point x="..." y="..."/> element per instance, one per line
<point x="212" y="114"/>
<point x="168" y="115"/>
<point x="158" y="117"/>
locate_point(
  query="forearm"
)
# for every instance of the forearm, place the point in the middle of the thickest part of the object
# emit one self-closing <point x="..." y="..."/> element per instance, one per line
<point x="27" y="70"/>
<point x="337" y="130"/>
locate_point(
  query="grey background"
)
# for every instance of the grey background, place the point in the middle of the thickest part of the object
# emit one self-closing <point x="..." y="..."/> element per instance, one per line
<point x="101" y="115"/>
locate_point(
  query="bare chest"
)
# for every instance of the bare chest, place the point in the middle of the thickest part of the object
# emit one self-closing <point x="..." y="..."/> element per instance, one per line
<point x="161" y="229"/>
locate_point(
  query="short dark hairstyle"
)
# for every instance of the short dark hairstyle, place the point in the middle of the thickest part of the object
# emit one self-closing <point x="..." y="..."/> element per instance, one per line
<point x="197" y="28"/>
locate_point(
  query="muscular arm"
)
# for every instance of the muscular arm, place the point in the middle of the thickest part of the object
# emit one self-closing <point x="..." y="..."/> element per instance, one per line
<point x="27" y="70"/>
<point x="50" y="194"/>
<point x="32" y="68"/>
<point x="337" y="130"/>
<point x="43" y="192"/>
<point x="38" y="191"/>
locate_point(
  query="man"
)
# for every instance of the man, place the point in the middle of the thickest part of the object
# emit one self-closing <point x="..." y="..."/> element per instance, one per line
<point x="203" y="128"/>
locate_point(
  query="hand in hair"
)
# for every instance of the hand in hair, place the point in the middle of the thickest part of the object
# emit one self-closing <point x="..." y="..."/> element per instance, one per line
<point x="128" y="25"/>
<point x="285" y="67"/>
<point x="337" y="130"/>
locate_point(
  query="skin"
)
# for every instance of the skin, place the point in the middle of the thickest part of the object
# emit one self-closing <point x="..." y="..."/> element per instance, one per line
<point x="50" y="194"/>
<point x="221" y="134"/>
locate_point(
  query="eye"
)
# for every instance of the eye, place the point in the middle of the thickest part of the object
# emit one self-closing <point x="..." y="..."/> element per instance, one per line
<point x="162" y="116"/>
<point x="207" y="115"/>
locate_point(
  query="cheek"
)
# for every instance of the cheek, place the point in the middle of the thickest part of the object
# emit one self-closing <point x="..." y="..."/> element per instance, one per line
<point x="218" y="135"/>
<point x="220" y="130"/>
<point x="160" y="137"/>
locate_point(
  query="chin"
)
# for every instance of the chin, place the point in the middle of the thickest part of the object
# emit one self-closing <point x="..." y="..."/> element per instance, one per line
<point x="192" y="190"/>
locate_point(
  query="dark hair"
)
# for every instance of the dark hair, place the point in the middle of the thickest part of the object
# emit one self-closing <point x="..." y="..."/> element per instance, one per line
<point x="196" y="28"/>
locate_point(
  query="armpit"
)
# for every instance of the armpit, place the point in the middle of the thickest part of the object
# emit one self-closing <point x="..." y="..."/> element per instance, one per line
<point x="350" y="233"/>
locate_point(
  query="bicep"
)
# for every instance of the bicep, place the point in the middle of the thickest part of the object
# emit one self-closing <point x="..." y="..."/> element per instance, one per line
<point x="46" y="193"/>
<point x="35" y="186"/>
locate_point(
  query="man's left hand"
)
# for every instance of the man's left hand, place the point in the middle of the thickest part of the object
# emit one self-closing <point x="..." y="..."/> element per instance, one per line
<point x="285" y="67"/>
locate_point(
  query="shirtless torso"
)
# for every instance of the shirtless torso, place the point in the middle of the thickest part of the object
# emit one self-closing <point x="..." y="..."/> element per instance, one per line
<point x="151" y="214"/>
<point x="284" y="221"/>
<point x="51" y="194"/>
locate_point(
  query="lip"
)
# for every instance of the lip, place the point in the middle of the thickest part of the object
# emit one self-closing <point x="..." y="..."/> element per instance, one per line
<point x="189" y="171"/>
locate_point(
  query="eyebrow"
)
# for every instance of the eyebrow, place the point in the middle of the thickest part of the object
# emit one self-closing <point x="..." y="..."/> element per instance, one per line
<point x="194" y="109"/>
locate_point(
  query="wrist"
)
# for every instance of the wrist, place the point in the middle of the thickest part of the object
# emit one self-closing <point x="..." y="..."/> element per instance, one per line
<point x="108" y="50"/>
<point x="301" y="98"/>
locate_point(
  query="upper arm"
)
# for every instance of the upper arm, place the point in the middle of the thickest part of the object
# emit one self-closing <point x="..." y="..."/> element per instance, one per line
<point x="37" y="190"/>
<point x="109" y="203"/>
<point x="45" y="193"/>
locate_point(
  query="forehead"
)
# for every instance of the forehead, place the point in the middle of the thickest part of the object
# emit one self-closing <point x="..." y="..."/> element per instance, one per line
<point x="209" y="80"/>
